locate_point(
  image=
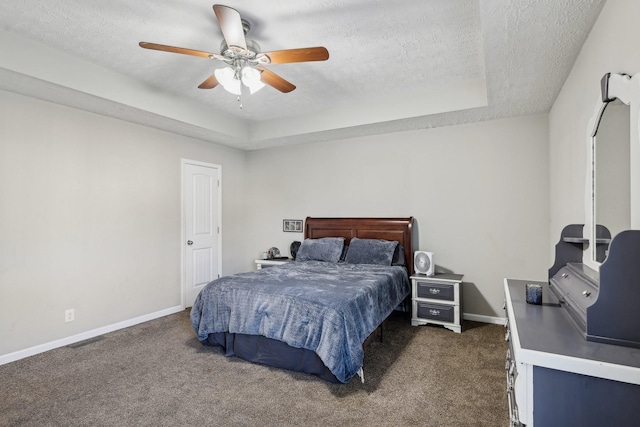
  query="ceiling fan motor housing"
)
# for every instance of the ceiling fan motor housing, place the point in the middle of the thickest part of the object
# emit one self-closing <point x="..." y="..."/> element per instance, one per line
<point x="238" y="53"/>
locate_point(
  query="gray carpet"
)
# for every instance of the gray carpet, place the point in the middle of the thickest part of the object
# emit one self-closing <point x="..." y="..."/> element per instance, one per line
<point x="158" y="374"/>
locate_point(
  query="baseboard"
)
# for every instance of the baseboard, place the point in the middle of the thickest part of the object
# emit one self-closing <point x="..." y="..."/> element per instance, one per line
<point x="31" y="351"/>
<point x="484" y="319"/>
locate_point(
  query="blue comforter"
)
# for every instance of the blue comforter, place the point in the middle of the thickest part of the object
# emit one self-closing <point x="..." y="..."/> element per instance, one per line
<point x="329" y="308"/>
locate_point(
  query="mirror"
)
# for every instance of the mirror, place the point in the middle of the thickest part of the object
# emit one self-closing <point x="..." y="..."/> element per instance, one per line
<point x="612" y="165"/>
<point x="612" y="175"/>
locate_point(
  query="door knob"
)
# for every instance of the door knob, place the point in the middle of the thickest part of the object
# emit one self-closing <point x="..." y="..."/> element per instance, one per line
<point x="189" y="242"/>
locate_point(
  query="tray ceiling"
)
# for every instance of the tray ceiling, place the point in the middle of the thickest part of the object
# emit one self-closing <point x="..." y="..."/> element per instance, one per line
<point x="393" y="65"/>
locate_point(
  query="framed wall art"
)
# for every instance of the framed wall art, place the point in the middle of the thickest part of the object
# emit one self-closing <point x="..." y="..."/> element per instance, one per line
<point x="292" y="225"/>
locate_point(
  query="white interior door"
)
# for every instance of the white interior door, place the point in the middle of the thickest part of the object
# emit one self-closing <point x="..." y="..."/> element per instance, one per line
<point x="201" y="227"/>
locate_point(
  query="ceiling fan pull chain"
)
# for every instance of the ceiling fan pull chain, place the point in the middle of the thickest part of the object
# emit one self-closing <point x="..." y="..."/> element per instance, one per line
<point x="238" y="64"/>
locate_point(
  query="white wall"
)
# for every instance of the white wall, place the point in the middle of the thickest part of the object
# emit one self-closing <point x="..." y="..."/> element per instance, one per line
<point x="479" y="194"/>
<point x="90" y="219"/>
<point x="612" y="46"/>
<point x="89" y="206"/>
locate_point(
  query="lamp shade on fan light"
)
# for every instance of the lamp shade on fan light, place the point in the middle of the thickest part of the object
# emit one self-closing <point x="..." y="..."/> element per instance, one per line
<point x="423" y="263"/>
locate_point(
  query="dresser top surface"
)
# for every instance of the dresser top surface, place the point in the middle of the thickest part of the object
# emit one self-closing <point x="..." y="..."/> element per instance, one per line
<point x="548" y="329"/>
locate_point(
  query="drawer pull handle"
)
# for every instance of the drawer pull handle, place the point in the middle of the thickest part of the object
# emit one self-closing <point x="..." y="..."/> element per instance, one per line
<point x="586" y="293"/>
<point x="434" y="291"/>
<point x="434" y="312"/>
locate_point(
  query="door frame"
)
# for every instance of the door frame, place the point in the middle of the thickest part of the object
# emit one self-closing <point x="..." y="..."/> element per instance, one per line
<point x="183" y="246"/>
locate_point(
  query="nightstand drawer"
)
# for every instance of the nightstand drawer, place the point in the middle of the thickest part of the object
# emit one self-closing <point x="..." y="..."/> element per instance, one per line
<point x="435" y="291"/>
<point x="440" y="312"/>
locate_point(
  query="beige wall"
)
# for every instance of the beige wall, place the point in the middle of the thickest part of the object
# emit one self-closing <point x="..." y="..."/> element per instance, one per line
<point x="479" y="194"/>
<point x="612" y="46"/>
<point x="90" y="219"/>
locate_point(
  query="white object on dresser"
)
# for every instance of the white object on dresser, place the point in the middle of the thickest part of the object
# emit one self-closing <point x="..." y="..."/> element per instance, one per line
<point x="437" y="300"/>
<point x="263" y="263"/>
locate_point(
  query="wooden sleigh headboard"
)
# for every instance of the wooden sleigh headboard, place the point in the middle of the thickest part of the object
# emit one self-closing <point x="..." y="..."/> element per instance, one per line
<point x="398" y="229"/>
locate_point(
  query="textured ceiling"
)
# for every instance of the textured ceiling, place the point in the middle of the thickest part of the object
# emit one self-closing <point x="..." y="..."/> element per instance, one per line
<point x="393" y="65"/>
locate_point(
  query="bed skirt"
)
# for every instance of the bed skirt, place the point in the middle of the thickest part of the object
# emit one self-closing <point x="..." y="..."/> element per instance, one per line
<point x="270" y="352"/>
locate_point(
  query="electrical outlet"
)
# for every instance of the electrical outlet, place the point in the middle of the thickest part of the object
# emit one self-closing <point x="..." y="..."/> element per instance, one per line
<point x="69" y="315"/>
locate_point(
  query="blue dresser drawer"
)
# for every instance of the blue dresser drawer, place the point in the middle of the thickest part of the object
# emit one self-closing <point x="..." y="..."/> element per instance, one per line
<point x="431" y="311"/>
<point x="435" y="291"/>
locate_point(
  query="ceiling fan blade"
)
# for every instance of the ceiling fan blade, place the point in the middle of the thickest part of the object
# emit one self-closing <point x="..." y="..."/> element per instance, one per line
<point x="275" y="81"/>
<point x="210" y="83"/>
<point x="298" y="55"/>
<point x="181" y="50"/>
<point x="231" y="26"/>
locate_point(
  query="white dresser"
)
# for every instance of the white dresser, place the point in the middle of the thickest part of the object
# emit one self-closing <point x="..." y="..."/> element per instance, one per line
<point x="557" y="378"/>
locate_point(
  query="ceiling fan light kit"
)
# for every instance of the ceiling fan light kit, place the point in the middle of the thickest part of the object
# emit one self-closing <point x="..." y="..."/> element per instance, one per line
<point x="240" y="70"/>
<point x="245" y="62"/>
<point x="229" y="80"/>
<point x="251" y="79"/>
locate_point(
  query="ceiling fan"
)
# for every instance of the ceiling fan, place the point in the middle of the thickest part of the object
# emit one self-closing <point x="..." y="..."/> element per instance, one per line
<point x="245" y="62"/>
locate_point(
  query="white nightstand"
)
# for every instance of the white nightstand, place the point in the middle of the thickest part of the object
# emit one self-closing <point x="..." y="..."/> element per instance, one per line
<point x="437" y="299"/>
<point x="264" y="263"/>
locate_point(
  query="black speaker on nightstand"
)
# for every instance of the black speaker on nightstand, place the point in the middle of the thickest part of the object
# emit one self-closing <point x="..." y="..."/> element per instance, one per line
<point x="295" y="245"/>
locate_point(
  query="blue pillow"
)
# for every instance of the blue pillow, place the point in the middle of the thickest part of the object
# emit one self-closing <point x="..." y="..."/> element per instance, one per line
<point x="371" y="251"/>
<point x="326" y="249"/>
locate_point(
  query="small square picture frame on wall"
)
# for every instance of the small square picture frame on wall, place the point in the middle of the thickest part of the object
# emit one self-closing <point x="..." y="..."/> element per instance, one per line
<point x="292" y="225"/>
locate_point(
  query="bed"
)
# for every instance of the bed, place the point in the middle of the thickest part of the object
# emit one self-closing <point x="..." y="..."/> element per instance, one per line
<point x="314" y="315"/>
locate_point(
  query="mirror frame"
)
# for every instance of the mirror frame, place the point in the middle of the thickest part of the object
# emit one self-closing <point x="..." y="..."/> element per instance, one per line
<point x="625" y="88"/>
